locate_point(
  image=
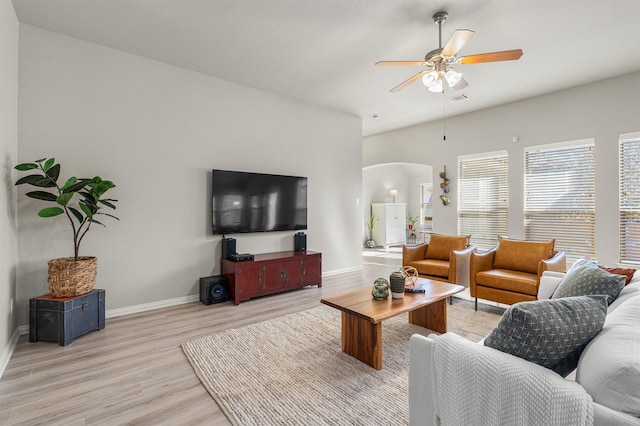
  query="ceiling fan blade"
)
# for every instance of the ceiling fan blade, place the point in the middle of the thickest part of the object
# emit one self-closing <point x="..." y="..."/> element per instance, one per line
<point x="461" y="84"/>
<point x="457" y="40"/>
<point x="414" y="63"/>
<point x="408" y="81"/>
<point x="505" y="55"/>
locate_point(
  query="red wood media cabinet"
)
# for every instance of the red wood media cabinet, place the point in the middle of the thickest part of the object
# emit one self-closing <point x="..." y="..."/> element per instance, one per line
<point x="270" y="273"/>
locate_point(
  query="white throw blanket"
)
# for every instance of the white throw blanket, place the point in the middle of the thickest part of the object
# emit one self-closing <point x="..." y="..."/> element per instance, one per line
<point x="473" y="384"/>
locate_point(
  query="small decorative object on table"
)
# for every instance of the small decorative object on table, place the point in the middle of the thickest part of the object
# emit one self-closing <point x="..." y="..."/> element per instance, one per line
<point x="380" y="289"/>
<point x="411" y="276"/>
<point x="397" y="280"/>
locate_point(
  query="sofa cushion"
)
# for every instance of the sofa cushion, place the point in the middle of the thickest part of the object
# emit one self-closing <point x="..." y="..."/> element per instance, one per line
<point x="627" y="272"/>
<point x="432" y="267"/>
<point x="522" y="255"/>
<point x="516" y="281"/>
<point x="609" y="367"/>
<point x="551" y="333"/>
<point x="441" y="246"/>
<point x="587" y="278"/>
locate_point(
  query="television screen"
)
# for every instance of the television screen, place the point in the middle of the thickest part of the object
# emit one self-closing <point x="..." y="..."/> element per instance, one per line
<point x="255" y="202"/>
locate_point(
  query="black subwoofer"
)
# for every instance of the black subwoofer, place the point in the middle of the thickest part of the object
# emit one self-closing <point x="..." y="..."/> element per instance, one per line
<point x="214" y="289"/>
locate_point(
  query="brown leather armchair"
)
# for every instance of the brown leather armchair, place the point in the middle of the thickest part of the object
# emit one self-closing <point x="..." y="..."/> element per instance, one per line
<point x="444" y="258"/>
<point x="510" y="272"/>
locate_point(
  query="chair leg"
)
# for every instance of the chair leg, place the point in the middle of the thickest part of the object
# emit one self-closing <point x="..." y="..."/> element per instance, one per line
<point x="451" y="300"/>
<point x="476" y="303"/>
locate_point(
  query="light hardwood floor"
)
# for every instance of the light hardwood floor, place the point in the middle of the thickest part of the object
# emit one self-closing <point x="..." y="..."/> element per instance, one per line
<point x="134" y="372"/>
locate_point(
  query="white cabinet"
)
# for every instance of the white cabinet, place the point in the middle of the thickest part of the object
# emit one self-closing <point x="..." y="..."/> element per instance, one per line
<point x="390" y="228"/>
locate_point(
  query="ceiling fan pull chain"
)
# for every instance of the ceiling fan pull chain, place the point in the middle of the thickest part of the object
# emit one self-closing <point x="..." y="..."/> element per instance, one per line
<point x="444" y="121"/>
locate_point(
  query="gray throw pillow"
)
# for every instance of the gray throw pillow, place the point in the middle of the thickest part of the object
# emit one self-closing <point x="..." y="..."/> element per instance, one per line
<point x="587" y="279"/>
<point x="551" y="333"/>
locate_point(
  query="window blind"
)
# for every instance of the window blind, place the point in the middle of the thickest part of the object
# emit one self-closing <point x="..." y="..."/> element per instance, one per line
<point x="630" y="199"/>
<point x="560" y="197"/>
<point x="483" y="198"/>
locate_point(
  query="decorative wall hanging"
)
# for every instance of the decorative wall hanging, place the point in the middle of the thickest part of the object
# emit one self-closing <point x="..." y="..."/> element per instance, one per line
<point x="445" y="187"/>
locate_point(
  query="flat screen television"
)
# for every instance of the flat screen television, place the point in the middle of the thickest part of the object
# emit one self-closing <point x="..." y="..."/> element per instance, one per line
<point x="256" y="202"/>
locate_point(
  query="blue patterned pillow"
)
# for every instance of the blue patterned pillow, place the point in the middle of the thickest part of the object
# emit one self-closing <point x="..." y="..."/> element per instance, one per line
<point x="586" y="278"/>
<point x="551" y="333"/>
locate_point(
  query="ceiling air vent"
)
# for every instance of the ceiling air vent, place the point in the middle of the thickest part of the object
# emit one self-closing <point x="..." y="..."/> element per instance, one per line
<point x="459" y="97"/>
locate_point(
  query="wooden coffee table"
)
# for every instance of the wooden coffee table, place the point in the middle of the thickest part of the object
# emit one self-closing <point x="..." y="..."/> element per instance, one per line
<point x="362" y="316"/>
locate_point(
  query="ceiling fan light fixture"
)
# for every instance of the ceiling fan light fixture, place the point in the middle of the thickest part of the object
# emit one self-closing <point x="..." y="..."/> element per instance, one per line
<point x="453" y="77"/>
<point x="430" y="79"/>
<point x="437" y="87"/>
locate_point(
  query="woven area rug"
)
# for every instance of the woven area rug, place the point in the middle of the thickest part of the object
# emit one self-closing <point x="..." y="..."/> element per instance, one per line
<point x="292" y="370"/>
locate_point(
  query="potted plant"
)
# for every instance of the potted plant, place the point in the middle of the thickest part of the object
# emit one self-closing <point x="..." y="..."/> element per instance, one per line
<point x="69" y="276"/>
<point x="372" y="221"/>
<point x="412" y="221"/>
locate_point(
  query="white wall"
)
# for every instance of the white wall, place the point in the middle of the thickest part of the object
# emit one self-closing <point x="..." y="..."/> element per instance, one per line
<point x="157" y="131"/>
<point x="602" y="111"/>
<point x="8" y="156"/>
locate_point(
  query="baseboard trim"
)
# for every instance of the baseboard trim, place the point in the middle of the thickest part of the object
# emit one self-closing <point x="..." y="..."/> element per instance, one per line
<point x="8" y="350"/>
<point x="118" y="312"/>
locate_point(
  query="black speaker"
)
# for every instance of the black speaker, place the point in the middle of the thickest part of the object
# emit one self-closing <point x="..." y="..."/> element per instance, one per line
<point x="300" y="241"/>
<point x="214" y="289"/>
<point x="228" y="247"/>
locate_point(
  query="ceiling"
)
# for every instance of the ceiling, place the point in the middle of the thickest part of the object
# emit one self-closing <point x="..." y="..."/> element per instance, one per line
<point x="323" y="51"/>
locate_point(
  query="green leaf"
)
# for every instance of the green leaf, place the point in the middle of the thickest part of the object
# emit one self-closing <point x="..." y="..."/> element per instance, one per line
<point x="70" y="182"/>
<point x="63" y="199"/>
<point x="54" y="172"/>
<point x="26" y="166"/>
<point x="89" y="199"/>
<point x="107" y="214"/>
<point x="107" y="203"/>
<point x="50" y="212"/>
<point x="77" y="214"/>
<point x="31" y="180"/>
<point x="41" y="195"/>
<point x="95" y="221"/>
<point x="45" y="182"/>
<point x="75" y="187"/>
<point x="40" y="160"/>
<point x="50" y="162"/>
<point x="86" y="210"/>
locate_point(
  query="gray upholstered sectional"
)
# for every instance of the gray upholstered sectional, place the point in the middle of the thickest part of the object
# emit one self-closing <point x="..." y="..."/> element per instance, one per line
<point x="607" y="377"/>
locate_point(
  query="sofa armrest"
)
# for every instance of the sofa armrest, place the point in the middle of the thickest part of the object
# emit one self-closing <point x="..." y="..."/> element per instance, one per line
<point x="557" y="263"/>
<point x="549" y="281"/>
<point x="459" y="263"/>
<point x="480" y="262"/>
<point x="475" y="384"/>
<point x="421" y="408"/>
<point x="604" y="416"/>
<point x="412" y="253"/>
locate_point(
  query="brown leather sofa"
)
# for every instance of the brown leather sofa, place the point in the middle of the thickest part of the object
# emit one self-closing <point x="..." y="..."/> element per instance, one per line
<point x="510" y="272"/>
<point x="444" y="258"/>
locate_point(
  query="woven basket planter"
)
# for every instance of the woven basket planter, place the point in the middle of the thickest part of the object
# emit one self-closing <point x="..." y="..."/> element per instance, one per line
<point x="69" y="277"/>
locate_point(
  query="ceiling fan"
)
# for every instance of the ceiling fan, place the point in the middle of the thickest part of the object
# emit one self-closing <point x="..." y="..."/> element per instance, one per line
<point x="439" y="62"/>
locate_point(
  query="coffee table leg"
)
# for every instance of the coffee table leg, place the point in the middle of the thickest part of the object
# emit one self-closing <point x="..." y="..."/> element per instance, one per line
<point x="362" y="340"/>
<point x="433" y="316"/>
